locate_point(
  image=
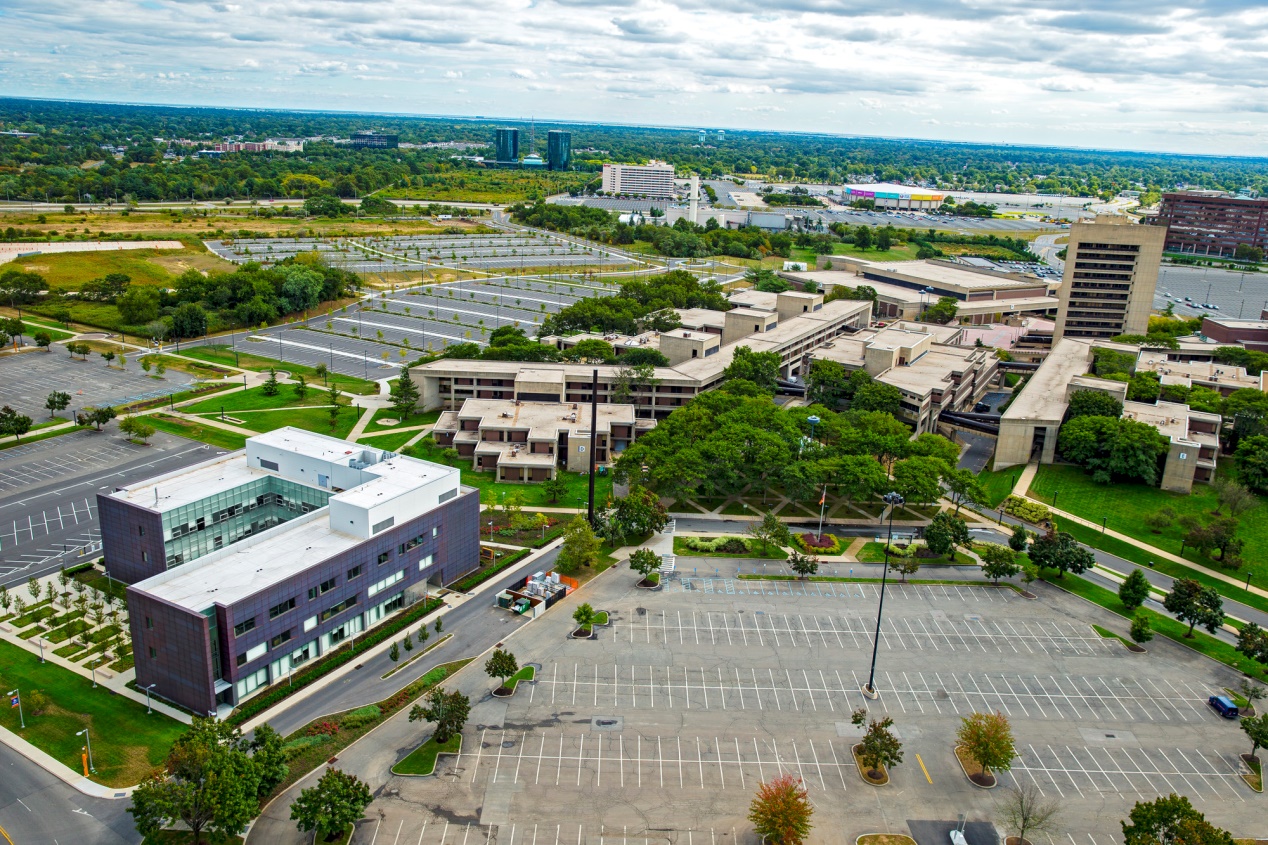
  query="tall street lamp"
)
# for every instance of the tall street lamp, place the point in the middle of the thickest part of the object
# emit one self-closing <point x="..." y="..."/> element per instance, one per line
<point x="88" y="745"/>
<point x="895" y="502"/>
<point x="147" y="697"/>
<point x="15" y="697"/>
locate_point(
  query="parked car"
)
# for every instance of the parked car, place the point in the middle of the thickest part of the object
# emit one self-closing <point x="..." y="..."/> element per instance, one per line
<point x="1223" y="705"/>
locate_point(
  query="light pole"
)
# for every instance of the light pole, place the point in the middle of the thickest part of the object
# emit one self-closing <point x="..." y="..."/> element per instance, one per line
<point x="16" y="697"/>
<point x="814" y="421"/>
<point x="894" y="501"/>
<point x="147" y="698"/>
<point x="88" y="745"/>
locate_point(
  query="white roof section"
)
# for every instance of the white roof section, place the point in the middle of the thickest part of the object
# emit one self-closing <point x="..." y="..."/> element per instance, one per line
<point x="1043" y="399"/>
<point x="184" y="486"/>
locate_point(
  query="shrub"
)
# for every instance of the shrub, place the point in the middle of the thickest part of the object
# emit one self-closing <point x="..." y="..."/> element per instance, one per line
<point x="296" y="746"/>
<point x="325" y="727"/>
<point x="360" y="717"/>
<point x="809" y="542"/>
<point x="1026" y="509"/>
<point x="903" y="551"/>
<point x="726" y="545"/>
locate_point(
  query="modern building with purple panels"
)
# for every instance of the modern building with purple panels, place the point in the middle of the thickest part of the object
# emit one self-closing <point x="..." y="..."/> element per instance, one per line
<point x="245" y="567"/>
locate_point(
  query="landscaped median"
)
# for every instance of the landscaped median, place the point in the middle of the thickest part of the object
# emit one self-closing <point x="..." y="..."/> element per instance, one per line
<point x="422" y="760"/>
<point x="127" y="743"/>
<point x="726" y="547"/>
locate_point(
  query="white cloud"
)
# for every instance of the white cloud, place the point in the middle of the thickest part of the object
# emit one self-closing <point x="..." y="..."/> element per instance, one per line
<point x="1114" y="73"/>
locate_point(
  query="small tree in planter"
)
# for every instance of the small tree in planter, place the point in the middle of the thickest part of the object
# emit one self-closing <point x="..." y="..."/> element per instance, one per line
<point x="987" y="738"/>
<point x="999" y="562"/>
<point x="449" y="710"/>
<point x="502" y="665"/>
<point x="330" y="807"/>
<point x="803" y="565"/>
<point x="880" y="749"/>
<point x="1252" y="693"/>
<point x="1025" y="810"/>
<point x="1140" y="630"/>
<point x="903" y="561"/>
<point x="781" y="811"/>
<point x="645" y="562"/>
<point x="1256" y="730"/>
<point x="584" y="616"/>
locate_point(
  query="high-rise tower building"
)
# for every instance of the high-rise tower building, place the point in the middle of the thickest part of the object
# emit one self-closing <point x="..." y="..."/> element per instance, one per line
<point x="508" y="145"/>
<point x="558" y="149"/>
<point x="1111" y="271"/>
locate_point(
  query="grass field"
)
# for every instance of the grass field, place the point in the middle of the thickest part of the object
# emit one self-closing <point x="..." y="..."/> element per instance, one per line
<point x="998" y="485"/>
<point x="492" y="491"/>
<point x="393" y="442"/>
<point x="69" y="270"/>
<point x="897" y="252"/>
<point x="223" y="354"/>
<point x="127" y="744"/>
<point x="874" y="552"/>
<point x="309" y="419"/>
<point x="253" y="399"/>
<point x="417" y="418"/>
<point x="422" y="760"/>
<point x="1126" y="505"/>
<point x="195" y="431"/>
<point x="488" y="186"/>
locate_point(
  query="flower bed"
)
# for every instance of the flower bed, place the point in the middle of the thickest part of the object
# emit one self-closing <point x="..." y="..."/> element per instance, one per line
<point x="811" y="543"/>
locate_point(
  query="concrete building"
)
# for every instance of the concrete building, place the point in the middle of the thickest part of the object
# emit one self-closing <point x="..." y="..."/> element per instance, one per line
<point x="1212" y="222"/>
<point x="906" y="288"/>
<point x="920" y="361"/>
<point x="889" y="195"/>
<point x="654" y="179"/>
<point x="248" y="565"/>
<point x="1187" y="370"/>
<point x="507" y="146"/>
<point x="530" y="441"/>
<point x="374" y="140"/>
<point x="446" y="384"/>
<point x="1253" y="334"/>
<point x="1111" y="271"/>
<point x="1029" y="425"/>
<point x="558" y="149"/>
<point x="1193" y="441"/>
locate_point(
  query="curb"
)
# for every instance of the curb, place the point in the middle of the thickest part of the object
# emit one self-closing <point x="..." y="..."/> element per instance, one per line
<point x="61" y="771"/>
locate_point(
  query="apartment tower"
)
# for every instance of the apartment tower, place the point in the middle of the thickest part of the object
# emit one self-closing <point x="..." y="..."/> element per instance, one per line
<point x="1111" y="271"/>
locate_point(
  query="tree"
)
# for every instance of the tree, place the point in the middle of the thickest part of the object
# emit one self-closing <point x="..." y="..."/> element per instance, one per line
<point x="781" y="811"/>
<point x="1025" y="810"/>
<point x="636" y="514"/>
<point x="394" y="653"/>
<point x="555" y="488"/>
<point x="1141" y="632"/>
<point x="803" y="565"/>
<point x="916" y="479"/>
<point x="941" y="312"/>
<point x="828" y="383"/>
<point x="879" y="747"/>
<point x="1195" y="604"/>
<point x="593" y="351"/>
<point x="1252" y="462"/>
<point x="408" y="643"/>
<point x="1094" y="403"/>
<point x="584" y="616"/>
<point x="209" y="783"/>
<point x="1134" y="590"/>
<point x="138" y="305"/>
<point x="904" y="565"/>
<point x="57" y="401"/>
<point x="189" y="320"/>
<point x="449" y="710"/>
<point x="1161" y="519"/>
<point x="999" y="562"/>
<point x="761" y="368"/>
<point x="269" y="757"/>
<point x="137" y="428"/>
<point x="945" y="532"/>
<point x="644" y="562"/>
<point x="1251" y="692"/>
<point x="330" y="807"/>
<point x="404" y="395"/>
<point x="580" y="547"/>
<point x="629" y="377"/>
<point x="877" y="396"/>
<point x="1060" y="551"/>
<point x="1113" y="448"/>
<point x="301" y="387"/>
<point x="964" y="488"/>
<point x="1256" y="730"/>
<point x="11" y="422"/>
<point x="1170" y="821"/>
<point x="501" y="664"/>
<point x="1234" y="497"/>
<point x="109" y="356"/>
<point x="769" y="531"/>
<point x="884" y="240"/>
<point x="1020" y="539"/>
<point x="95" y="416"/>
<point x="1252" y="641"/>
<point x="43" y="339"/>
<point x="988" y="739"/>
<point x="270" y="387"/>
<point x="862" y="237"/>
<point x="321" y="372"/>
<point x="333" y="401"/>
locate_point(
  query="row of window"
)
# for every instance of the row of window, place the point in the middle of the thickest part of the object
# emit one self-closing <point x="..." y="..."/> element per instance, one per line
<point x="384" y="583"/>
<point x="412" y="543"/>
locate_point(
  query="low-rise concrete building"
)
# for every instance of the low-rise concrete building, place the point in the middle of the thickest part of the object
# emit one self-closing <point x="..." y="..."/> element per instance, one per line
<point x="920" y="361"/>
<point x="1173" y="368"/>
<point x="1193" y="441"/>
<point x="1029" y="425"/>
<point x="529" y="441"/>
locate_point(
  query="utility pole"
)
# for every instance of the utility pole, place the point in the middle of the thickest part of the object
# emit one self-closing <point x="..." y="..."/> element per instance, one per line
<point x="594" y="437"/>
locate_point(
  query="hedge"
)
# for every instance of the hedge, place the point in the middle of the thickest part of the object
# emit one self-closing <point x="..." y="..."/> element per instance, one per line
<point x="478" y="577"/>
<point x="1025" y="509"/>
<point x="332" y="661"/>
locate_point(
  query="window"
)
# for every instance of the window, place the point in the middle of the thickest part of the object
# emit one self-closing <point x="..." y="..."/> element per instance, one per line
<point x="242" y="627"/>
<point x="379" y="586"/>
<point x="354" y="572"/>
<point x="278" y="609"/>
<point x="141" y="530"/>
<point x="411" y="544"/>
<point x="279" y="639"/>
<point x="383" y="557"/>
<point x="387" y="523"/>
<point x="310" y="623"/>
<point x="446" y="496"/>
<point x="331" y="612"/>
<point x="325" y="587"/>
<point x="254" y="681"/>
<point x="145" y="557"/>
<point x="425" y="561"/>
<point x="153" y="653"/>
<point x="268" y="464"/>
<point x="435" y="532"/>
<point x="149" y="623"/>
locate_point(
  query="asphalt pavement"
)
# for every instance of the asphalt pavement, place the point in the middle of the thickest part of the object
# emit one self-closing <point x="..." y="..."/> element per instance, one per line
<point x="36" y="807"/>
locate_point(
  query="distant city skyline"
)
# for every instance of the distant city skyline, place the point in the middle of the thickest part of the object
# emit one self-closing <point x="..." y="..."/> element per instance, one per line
<point x="1118" y="74"/>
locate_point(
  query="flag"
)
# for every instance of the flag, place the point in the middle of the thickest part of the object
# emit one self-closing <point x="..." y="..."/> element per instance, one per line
<point x="13" y="702"/>
<point x="823" y="498"/>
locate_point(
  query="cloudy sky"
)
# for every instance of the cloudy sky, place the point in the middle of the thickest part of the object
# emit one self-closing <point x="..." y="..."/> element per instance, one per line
<point x="1131" y="74"/>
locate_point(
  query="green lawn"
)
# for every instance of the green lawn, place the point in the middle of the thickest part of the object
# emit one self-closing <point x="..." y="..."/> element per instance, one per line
<point x="223" y="354"/>
<point x="33" y="437"/>
<point x="1127" y="505"/>
<point x="422" y="760"/>
<point x="1164" y="626"/>
<point x="195" y="431"/>
<point x="492" y="490"/>
<point x="998" y="485"/>
<point x="194" y="368"/>
<point x="253" y="399"/>
<point x="770" y="553"/>
<point x="417" y="418"/>
<point x="126" y="743"/>
<point x="897" y="252"/>
<point x="873" y="552"/>
<point x="310" y="419"/>
<point x="44" y="326"/>
<point x="526" y="673"/>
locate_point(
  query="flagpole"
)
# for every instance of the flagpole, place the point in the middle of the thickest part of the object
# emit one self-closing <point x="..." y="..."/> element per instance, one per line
<point x="823" y="505"/>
